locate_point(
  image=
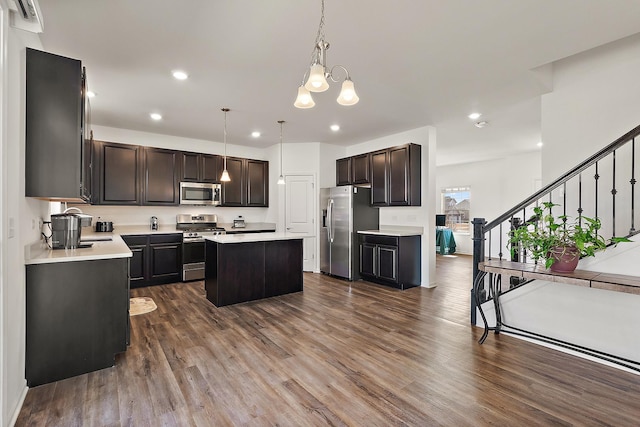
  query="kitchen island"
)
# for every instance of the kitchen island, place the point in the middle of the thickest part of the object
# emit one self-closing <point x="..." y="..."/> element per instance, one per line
<point x="248" y="267"/>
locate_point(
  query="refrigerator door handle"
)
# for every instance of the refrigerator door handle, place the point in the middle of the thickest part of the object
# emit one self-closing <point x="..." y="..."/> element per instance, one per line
<point x="330" y="232"/>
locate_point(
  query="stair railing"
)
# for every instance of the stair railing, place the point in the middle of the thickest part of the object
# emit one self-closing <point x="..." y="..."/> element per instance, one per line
<point x="602" y="186"/>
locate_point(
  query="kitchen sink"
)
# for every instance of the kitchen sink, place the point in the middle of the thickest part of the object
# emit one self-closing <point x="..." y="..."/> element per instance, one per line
<point x="97" y="239"/>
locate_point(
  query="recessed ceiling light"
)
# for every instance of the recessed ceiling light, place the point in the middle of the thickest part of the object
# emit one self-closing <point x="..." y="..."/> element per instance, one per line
<point x="255" y="134"/>
<point x="155" y="116"/>
<point x="335" y="128"/>
<point x="481" y="124"/>
<point x="474" y="116"/>
<point x="540" y="144"/>
<point x="180" y="75"/>
<point x="91" y="94"/>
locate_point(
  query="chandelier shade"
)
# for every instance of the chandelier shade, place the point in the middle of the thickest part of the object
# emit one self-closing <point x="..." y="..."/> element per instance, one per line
<point x="304" y="99"/>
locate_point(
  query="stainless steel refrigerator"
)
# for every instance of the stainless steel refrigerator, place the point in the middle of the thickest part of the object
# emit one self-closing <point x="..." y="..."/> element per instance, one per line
<point x="345" y="211"/>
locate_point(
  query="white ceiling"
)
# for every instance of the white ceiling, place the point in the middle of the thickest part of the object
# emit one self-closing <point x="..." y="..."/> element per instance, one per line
<point x="414" y="63"/>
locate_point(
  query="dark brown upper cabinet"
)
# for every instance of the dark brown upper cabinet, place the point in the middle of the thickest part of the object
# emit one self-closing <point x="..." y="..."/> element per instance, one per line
<point x="249" y="185"/>
<point x="393" y="174"/>
<point x="160" y="180"/>
<point x="343" y="171"/>
<point x="257" y="183"/>
<point x="360" y="169"/>
<point x="379" y="178"/>
<point x="55" y="128"/>
<point x="117" y="174"/>
<point x="234" y="191"/>
<point x="199" y="167"/>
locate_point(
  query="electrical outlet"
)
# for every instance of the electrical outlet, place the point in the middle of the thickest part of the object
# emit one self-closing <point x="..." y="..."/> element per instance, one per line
<point x="33" y="223"/>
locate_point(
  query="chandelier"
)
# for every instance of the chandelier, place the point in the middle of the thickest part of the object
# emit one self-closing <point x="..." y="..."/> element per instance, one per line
<point x="318" y="73"/>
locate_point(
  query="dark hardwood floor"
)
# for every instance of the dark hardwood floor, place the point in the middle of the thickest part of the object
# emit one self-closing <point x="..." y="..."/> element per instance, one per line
<point x="338" y="353"/>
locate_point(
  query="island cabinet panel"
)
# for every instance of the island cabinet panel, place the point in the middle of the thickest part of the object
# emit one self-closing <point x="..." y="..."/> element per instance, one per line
<point x="240" y="272"/>
<point x="118" y="173"/>
<point x="160" y="177"/>
<point x="77" y="318"/>
<point x="283" y="267"/>
<point x="243" y="265"/>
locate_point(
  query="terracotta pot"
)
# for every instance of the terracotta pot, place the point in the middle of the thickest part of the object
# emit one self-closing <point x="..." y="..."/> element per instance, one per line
<point x="566" y="259"/>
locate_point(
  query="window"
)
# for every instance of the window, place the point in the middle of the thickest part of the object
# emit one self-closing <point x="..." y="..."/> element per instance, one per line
<point x="455" y="206"/>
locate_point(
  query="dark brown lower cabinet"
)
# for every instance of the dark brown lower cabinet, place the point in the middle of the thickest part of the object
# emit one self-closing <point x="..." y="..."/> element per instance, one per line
<point x="77" y="317"/>
<point x="157" y="259"/>
<point x="240" y="272"/>
<point x="391" y="260"/>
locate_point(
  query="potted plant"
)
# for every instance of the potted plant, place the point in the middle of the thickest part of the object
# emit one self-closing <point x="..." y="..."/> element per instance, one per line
<point x="557" y="240"/>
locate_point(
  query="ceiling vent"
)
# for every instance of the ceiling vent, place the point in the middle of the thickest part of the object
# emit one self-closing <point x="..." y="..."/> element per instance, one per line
<point x="26" y="15"/>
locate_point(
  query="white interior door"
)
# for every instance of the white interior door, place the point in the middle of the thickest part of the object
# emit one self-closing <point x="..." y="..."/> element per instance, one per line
<point x="300" y="214"/>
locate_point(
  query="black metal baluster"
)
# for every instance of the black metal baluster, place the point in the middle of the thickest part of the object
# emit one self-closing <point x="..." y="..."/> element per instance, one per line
<point x="613" y="194"/>
<point x="633" y="184"/>
<point x="524" y="220"/>
<point x="564" y="205"/>
<point x="490" y="232"/>
<point x="500" y="242"/>
<point x="596" y="177"/>
<point x="580" y="199"/>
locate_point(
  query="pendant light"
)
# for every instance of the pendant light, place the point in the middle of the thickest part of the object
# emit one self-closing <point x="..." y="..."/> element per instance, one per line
<point x="281" y="178"/>
<point x="225" y="175"/>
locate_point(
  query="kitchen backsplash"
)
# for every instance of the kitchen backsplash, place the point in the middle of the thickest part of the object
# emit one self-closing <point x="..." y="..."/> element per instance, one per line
<point x="139" y="215"/>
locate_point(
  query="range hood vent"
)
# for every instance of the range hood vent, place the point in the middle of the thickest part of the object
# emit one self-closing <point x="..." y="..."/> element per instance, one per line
<point x="26" y="15"/>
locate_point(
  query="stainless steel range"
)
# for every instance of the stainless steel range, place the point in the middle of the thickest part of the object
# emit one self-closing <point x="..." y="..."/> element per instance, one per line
<point x="194" y="229"/>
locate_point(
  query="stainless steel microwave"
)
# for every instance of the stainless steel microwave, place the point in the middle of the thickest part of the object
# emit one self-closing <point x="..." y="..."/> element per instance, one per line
<point x="199" y="193"/>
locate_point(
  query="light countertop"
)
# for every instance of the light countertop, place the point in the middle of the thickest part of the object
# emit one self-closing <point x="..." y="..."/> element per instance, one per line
<point x="39" y="253"/>
<point x="128" y="230"/>
<point x="253" y="237"/>
<point x="397" y="231"/>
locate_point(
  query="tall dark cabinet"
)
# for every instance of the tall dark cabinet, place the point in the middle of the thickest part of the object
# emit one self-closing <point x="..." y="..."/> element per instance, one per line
<point x="55" y="127"/>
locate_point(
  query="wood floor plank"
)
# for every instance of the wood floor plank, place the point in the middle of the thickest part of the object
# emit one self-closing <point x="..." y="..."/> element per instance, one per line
<point x="338" y="353"/>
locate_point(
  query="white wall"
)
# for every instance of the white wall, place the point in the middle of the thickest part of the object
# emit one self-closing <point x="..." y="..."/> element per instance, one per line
<point x="594" y="101"/>
<point x="496" y="186"/>
<point x="18" y="216"/>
